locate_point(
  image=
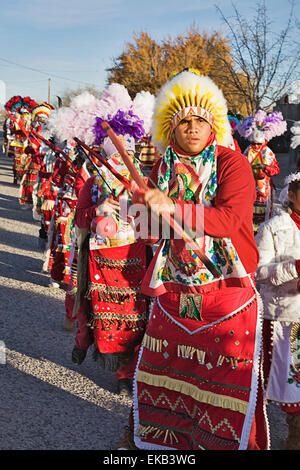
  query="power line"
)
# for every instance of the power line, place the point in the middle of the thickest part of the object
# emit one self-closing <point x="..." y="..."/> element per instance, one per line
<point x="29" y="81"/>
<point x="49" y="74"/>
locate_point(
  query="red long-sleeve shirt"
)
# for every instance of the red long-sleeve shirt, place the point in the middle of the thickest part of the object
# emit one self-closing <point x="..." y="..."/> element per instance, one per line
<point x="81" y="177"/>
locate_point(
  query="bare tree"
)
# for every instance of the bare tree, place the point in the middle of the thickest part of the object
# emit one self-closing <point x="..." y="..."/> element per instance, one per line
<point x="265" y="64"/>
<point x="69" y="94"/>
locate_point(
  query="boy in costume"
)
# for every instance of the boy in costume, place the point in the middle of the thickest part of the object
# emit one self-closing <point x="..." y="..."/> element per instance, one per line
<point x="278" y="242"/>
<point x="19" y="110"/>
<point x="40" y="114"/>
<point x="198" y="383"/>
<point x="259" y="130"/>
<point x="111" y="263"/>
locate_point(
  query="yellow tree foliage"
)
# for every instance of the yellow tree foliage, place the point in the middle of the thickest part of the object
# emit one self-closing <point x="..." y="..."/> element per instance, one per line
<point x="147" y="64"/>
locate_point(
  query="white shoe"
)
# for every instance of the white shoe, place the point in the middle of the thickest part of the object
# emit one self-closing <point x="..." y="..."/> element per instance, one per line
<point x="54" y="284"/>
<point x="25" y="207"/>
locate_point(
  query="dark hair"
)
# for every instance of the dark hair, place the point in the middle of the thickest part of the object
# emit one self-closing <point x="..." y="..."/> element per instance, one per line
<point x="294" y="186"/>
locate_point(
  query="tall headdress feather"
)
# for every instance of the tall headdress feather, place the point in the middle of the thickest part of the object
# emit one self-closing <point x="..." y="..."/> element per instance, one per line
<point x="187" y="93"/>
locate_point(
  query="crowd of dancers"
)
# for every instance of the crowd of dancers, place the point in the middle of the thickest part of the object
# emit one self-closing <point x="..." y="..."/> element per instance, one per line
<point x="200" y="337"/>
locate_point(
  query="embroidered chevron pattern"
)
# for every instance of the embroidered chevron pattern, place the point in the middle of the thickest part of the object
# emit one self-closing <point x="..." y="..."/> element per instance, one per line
<point x="192" y="414"/>
<point x="179" y="400"/>
<point x="213" y="429"/>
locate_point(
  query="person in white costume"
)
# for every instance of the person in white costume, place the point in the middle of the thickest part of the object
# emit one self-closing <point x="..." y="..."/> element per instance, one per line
<point x="278" y="273"/>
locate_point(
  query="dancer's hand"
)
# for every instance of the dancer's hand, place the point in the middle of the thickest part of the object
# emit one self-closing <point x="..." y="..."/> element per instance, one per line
<point x="158" y="201"/>
<point x="108" y="206"/>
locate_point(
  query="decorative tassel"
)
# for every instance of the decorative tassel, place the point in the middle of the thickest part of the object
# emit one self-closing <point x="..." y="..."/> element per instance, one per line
<point x="233" y="362"/>
<point x="220" y="360"/>
<point x="47" y="205"/>
<point x="113" y="294"/>
<point x="201" y="356"/>
<point x="144" y="431"/>
<point x="153" y="344"/>
<point x="186" y="352"/>
<point x="133" y="264"/>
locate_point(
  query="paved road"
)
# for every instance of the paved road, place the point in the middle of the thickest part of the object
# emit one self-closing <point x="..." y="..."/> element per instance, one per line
<point x="48" y="403"/>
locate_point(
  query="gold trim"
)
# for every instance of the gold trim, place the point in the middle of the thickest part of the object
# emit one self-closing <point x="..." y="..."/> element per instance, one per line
<point x="117" y="263"/>
<point x="193" y="391"/>
<point x="153" y="344"/>
<point x="113" y="294"/>
<point x="119" y="316"/>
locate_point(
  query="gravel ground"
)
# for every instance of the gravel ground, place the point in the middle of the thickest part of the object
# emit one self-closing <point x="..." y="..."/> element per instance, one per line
<point x="48" y="403"/>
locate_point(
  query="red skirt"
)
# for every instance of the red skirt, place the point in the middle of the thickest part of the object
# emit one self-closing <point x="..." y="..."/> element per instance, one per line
<point x="119" y="310"/>
<point x="28" y="184"/>
<point x="197" y="378"/>
<point x="20" y="162"/>
<point x="72" y="285"/>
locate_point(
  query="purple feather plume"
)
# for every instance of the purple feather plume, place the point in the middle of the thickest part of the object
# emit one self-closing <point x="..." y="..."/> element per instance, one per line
<point x="272" y="125"/>
<point x="123" y="122"/>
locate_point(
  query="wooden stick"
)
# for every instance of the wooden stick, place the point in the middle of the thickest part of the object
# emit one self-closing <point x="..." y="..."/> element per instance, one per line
<point x="104" y="162"/>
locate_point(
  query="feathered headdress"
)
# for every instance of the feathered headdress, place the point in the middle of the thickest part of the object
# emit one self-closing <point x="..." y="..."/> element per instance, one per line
<point x="234" y="121"/>
<point x="83" y="118"/>
<point x="117" y="109"/>
<point x="269" y="125"/>
<point x="143" y="106"/>
<point x="189" y="93"/>
<point x="283" y="196"/>
<point x="42" y="110"/>
<point x="17" y="103"/>
<point x="295" y="140"/>
<point x="76" y="120"/>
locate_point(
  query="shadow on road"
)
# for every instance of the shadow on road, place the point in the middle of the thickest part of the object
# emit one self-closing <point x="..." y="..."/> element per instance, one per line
<point x="20" y="241"/>
<point x="31" y="273"/>
<point x="33" y="326"/>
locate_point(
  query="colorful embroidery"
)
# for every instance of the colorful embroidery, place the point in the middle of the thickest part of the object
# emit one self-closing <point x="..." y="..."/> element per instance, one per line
<point x="294" y="377"/>
<point x="190" y="306"/>
<point x="193" y="179"/>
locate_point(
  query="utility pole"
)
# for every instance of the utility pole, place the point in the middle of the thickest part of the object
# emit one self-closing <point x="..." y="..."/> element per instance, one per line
<point x="49" y="87"/>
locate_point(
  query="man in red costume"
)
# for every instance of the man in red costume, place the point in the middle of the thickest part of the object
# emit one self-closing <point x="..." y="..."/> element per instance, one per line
<point x="260" y="129"/>
<point x="110" y="309"/>
<point x="198" y="383"/>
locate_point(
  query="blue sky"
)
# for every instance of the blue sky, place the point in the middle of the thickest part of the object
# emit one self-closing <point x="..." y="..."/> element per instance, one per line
<point x="74" y="41"/>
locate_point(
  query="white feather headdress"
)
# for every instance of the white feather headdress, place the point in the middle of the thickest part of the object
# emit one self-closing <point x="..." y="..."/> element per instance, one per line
<point x="189" y="93"/>
<point x="283" y="196"/>
<point x="295" y="140"/>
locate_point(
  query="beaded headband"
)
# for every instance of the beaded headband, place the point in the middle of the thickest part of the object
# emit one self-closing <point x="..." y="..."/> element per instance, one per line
<point x="191" y="111"/>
